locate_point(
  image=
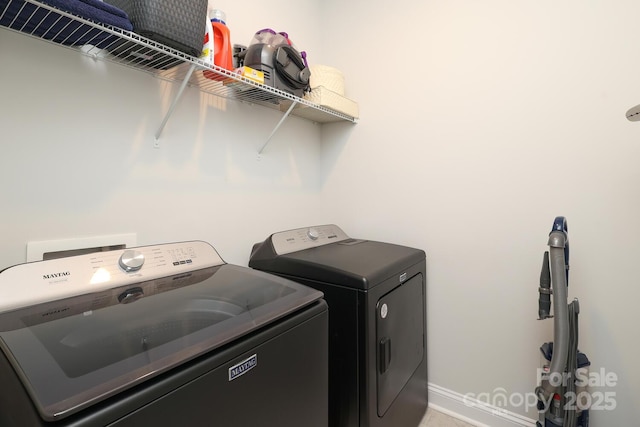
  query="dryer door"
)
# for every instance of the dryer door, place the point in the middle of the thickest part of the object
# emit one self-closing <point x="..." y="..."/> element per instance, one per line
<point x="400" y="338"/>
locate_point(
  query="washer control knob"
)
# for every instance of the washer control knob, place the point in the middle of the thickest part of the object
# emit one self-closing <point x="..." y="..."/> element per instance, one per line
<point x="131" y="260"/>
<point x="313" y="234"/>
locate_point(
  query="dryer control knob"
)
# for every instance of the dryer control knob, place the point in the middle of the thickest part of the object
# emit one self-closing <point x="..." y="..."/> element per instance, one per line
<point x="313" y="234"/>
<point x="131" y="260"/>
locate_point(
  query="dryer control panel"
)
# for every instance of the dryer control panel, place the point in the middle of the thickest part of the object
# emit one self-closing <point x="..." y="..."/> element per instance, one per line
<point x="36" y="282"/>
<point x="299" y="239"/>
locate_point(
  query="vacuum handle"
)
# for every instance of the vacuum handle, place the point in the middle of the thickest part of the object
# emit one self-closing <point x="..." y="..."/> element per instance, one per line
<point x="560" y="224"/>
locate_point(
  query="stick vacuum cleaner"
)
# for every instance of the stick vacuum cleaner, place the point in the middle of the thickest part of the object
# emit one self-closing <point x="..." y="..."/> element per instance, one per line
<point x="562" y="397"/>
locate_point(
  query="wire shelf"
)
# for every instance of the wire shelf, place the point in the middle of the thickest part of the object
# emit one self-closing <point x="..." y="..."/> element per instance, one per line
<point x="112" y="44"/>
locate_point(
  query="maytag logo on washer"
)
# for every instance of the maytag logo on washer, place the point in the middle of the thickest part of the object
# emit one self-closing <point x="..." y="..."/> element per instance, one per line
<point x="403" y="277"/>
<point x="55" y="275"/>
<point x="243" y="367"/>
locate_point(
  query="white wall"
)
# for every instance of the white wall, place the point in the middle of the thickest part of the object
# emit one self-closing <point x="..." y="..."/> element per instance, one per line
<point x="481" y="122"/>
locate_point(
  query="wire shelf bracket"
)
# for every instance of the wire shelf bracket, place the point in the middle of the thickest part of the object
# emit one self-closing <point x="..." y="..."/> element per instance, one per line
<point x="273" y="132"/>
<point x="172" y="107"/>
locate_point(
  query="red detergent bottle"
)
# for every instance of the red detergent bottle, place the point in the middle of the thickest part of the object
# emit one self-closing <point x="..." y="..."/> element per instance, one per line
<point x="222" y="49"/>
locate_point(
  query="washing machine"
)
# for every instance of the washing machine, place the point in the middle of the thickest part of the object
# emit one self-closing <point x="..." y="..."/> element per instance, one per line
<point x="162" y="335"/>
<point x="376" y="294"/>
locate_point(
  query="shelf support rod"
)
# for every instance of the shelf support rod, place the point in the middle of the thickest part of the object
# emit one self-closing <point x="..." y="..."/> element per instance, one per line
<point x="183" y="85"/>
<point x="293" y="104"/>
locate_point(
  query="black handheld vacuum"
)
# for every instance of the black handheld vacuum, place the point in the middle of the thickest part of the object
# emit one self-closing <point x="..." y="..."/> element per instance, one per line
<point x="561" y="394"/>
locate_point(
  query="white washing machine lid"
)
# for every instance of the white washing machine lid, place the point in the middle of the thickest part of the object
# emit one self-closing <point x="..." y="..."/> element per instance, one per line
<point x="73" y="352"/>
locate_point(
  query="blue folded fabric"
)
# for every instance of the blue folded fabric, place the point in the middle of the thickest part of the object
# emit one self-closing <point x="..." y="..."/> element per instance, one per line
<point x="94" y="10"/>
<point x="30" y="18"/>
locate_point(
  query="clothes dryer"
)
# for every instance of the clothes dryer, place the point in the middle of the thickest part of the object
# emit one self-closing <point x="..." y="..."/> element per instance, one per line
<point x="376" y="294"/>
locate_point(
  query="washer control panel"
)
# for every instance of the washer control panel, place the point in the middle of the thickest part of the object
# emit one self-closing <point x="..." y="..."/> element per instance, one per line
<point x="299" y="239"/>
<point x="42" y="281"/>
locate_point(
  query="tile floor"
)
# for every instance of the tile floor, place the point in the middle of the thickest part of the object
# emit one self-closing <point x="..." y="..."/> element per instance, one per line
<point x="434" y="418"/>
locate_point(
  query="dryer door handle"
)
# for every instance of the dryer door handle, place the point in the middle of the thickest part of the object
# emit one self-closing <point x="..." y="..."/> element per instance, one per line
<point x="384" y="354"/>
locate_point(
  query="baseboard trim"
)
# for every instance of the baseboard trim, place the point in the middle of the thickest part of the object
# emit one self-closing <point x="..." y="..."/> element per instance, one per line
<point x="473" y="411"/>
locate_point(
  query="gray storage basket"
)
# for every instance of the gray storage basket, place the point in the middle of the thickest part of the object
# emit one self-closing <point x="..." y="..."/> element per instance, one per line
<point x="177" y="24"/>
